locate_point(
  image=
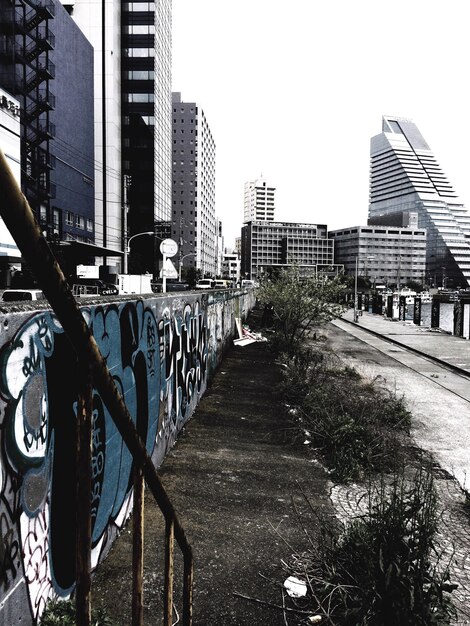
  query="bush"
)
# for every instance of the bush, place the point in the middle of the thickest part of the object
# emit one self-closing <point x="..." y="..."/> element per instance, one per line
<point x="355" y="424"/>
<point x="62" y="613"/>
<point x="383" y="570"/>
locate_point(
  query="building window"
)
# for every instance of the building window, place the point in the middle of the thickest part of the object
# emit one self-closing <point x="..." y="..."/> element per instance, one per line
<point x="79" y="221"/>
<point x="69" y="218"/>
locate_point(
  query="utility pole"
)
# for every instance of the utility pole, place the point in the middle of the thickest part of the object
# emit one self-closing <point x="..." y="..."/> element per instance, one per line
<point x="125" y="210"/>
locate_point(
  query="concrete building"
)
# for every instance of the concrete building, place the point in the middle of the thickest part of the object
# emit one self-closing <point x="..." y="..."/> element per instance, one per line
<point x="193" y="219"/>
<point x="10" y="143"/>
<point x="100" y="22"/>
<point x="39" y="45"/>
<point x="406" y="177"/>
<point x="231" y="267"/>
<point x="259" y="201"/>
<point x="132" y="44"/>
<point x="146" y="127"/>
<point x="385" y="255"/>
<point x="266" y="245"/>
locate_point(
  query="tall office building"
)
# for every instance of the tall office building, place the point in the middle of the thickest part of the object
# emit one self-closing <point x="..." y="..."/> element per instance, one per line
<point x="100" y="21"/>
<point x="406" y="177"/>
<point x="259" y="201"/>
<point x="146" y="129"/>
<point x="279" y="245"/>
<point x="193" y="220"/>
<point x="132" y="42"/>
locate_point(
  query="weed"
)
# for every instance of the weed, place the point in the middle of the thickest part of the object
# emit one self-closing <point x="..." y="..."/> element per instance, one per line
<point x="357" y="424"/>
<point x="383" y="568"/>
<point x="62" y="613"/>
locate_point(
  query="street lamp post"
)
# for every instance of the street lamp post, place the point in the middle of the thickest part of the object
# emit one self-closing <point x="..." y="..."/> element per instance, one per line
<point x="181" y="263"/>
<point x="127" y="248"/>
<point x="355" y="293"/>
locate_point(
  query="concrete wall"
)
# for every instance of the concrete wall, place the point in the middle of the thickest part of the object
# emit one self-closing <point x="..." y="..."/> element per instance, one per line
<point x="161" y="352"/>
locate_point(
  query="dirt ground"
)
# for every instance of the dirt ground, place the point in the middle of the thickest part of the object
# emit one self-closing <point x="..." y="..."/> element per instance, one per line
<point x="233" y="477"/>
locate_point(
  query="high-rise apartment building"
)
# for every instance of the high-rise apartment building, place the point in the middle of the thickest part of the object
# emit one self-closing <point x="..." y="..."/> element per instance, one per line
<point x="259" y="203"/>
<point x="194" y="221"/>
<point x="406" y="177"/>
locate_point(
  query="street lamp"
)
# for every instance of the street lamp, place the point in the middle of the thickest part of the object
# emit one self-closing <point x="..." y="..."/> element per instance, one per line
<point x="181" y="263"/>
<point x="127" y="247"/>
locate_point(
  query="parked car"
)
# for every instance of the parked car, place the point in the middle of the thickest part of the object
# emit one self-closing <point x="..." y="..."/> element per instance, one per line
<point x="205" y="283"/>
<point x="17" y="295"/>
<point x="222" y="284"/>
<point x="93" y="287"/>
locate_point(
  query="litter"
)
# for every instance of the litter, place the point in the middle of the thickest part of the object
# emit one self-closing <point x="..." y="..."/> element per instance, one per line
<point x="245" y="335"/>
<point x="295" y="587"/>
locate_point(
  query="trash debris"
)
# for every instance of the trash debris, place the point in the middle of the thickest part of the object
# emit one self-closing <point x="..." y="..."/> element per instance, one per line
<point x="245" y="335"/>
<point x="295" y="587"/>
<point x="314" y="619"/>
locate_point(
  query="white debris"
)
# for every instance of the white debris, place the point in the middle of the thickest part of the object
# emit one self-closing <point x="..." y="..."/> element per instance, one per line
<point x="314" y="619"/>
<point x="295" y="587"/>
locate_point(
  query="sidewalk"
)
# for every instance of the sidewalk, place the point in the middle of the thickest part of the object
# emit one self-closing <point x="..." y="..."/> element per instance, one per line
<point x="453" y="350"/>
<point x="231" y="477"/>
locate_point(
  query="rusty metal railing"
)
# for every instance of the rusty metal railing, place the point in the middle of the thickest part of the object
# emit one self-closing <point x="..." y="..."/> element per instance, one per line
<point x="20" y="221"/>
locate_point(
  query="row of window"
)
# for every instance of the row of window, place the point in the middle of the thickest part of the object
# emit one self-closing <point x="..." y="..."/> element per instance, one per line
<point x="71" y="219"/>
<point x="139" y="6"/>
<point x="140" y="97"/>
<point x="139" y="52"/>
<point x="139" y="29"/>
<point x="139" y="75"/>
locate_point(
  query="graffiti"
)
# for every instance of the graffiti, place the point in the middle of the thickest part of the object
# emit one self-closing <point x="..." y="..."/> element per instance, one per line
<point x="185" y="358"/>
<point x="159" y="357"/>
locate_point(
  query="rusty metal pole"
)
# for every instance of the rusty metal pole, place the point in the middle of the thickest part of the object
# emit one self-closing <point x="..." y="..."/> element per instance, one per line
<point x="188" y="579"/>
<point x="138" y="549"/>
<point x="84" y="460"/>
<point x="20" y="221"/>
<point x="169" y="572"/>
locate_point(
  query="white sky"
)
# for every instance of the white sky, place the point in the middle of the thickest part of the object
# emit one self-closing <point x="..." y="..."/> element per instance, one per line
<point x="294" y="90"/>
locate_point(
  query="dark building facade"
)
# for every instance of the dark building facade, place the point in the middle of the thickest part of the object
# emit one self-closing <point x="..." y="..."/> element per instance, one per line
<point x="47" y="64"/>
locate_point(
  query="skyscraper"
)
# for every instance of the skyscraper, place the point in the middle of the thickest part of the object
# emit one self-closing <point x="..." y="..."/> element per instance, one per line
<point x="193" y="221"/>
<point x="132" y="43"/>
<point x="259" y="201"/>
<point x="405" y="177"/>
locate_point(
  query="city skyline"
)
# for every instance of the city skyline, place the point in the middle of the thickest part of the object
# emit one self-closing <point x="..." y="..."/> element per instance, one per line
<point x="296" y="96"/>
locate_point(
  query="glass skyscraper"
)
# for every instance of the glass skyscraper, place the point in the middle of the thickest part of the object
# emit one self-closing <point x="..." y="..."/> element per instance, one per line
<point x="405" y="178"/>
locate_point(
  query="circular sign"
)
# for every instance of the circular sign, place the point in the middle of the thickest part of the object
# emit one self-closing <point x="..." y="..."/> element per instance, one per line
<point x="169" y="247"/>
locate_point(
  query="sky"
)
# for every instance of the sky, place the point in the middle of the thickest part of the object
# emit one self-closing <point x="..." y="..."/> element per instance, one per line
<point x="294" y="91"/>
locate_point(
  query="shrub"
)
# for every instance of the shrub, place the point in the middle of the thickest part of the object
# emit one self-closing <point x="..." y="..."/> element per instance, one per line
<point x="356" y="424"/>
<point x="383" y="569"/>
<point x="62" y="613"/>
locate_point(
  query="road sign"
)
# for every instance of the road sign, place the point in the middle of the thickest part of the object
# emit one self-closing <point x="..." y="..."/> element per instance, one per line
<point x="169" y="247"/>
<point x="168" y="270"/>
